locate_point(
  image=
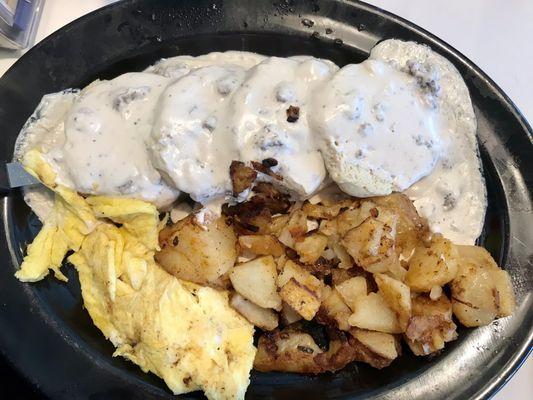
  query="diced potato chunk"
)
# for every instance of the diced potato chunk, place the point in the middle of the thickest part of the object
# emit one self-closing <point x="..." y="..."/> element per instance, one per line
<point x="287" y="351"/>
<point x="256" y="280"/>
<point x="302" y="342"/>
<point x="435" y="292"/>
<point x="278" y="223"/>
<point x="350" y="219"/>
<point x="297" y="224"/>
<point x="421" y="304"/>
<point x="481" y="291"/>
<point x="397" y="295"/>
<point x="334" y="309"/>
<point x="330" y="195"/>
<point x="296" y="227"/>
<point x="300" y="290"/>
<point x="328" y="227"/>
<point x="388" y="218"/>
<point x="373" y="313"/>
<point x="286" y="238"/>
<point x="411" y="228"/>
<point x="180" y="211"/>
<point x="339" y="275"/>
<point x="196" y="253"/>
<point x="430" y="325"/>
<point x="371" y="245"/>
<point x="346" y="348"/>
<point x="351" y="289"/>
<point x="506" y="300"/>
<point x="345" y="261"/>
<point x="312" y="225"/>
<point x="431" y="266"/>
<point x="383" y="344"/>
<point x="261" y="245"/>
<point x="289" y="315"/>
<point x="311" y="247"/>
<point x="293" y="270"/>
<point x="396" y="270"/>
<point x="304" y="301"/>
<point x="263" y="318"/>
<point x="321" y="211"/>
<point x="280" y="263"/>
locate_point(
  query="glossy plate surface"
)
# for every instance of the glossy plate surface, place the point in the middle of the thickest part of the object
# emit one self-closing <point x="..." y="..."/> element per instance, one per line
<point x="49" y="338"/>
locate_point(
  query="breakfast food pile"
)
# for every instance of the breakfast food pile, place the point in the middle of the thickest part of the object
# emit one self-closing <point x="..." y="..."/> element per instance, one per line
<point x="335" y="210"/>
<point x="337" y="279"/>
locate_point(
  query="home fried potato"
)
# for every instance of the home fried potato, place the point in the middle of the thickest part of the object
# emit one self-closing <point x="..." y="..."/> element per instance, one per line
<point x="373" y="313"/>
<point x="322" y="211"/>
<point x="287" y="351"/>
<point x="396" y="270"/>
<point x="333" y="310"/>
<point x="345" y="348"/>
<point x="195" y="253"/>
<point x="351" y="289"/>
<point x="297" y="224"/>
<point x="311" y="247"/>
<point x="263" y="318"/>
<point x="350" y="219"/>
<point x="386" y="216"/>
<point x="289" y="315"/>
<point x="481" y="291"/>
<point x="339" y="275"/>
<point x="285" y="237"/>
<point x="506" y="301"/>
<point x="296" y="227"/>
<point x="328" y="227"/>
<point x="434" y="265"/>
<point x="321" y="269"/>
<point x="277" y="224"/>
<point x="371" y="245"/>
<point x="261" y="245"/>
<point x="280" y="263"/>
<point x="365" y="273"/>
<point x="430" y="325"/>
<point x="291" y="350"/>
<point x="382" y="344"/>
<point x="362" y="210"/>
<point x="345" y="260"/>
<point x="292" y="270"/>
<point x="411" y="227"/>
<point x="304" y="301"/>
<point x="397" y="295"/>
<point x="256" y="280"/>
<point x="300" y="290"/>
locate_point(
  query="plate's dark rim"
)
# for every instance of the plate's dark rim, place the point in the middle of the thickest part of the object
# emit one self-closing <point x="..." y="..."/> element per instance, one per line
<point x="506" y="372"/>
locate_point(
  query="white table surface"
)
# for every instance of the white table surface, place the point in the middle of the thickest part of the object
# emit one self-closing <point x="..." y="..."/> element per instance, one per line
<point x="497" y="35"/>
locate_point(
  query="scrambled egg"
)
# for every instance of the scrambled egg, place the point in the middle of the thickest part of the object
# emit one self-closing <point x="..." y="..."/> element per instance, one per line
<point x="185" y="333"/>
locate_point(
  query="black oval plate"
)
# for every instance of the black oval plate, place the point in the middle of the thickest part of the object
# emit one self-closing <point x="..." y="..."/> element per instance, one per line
<point x="46" y="334"/>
